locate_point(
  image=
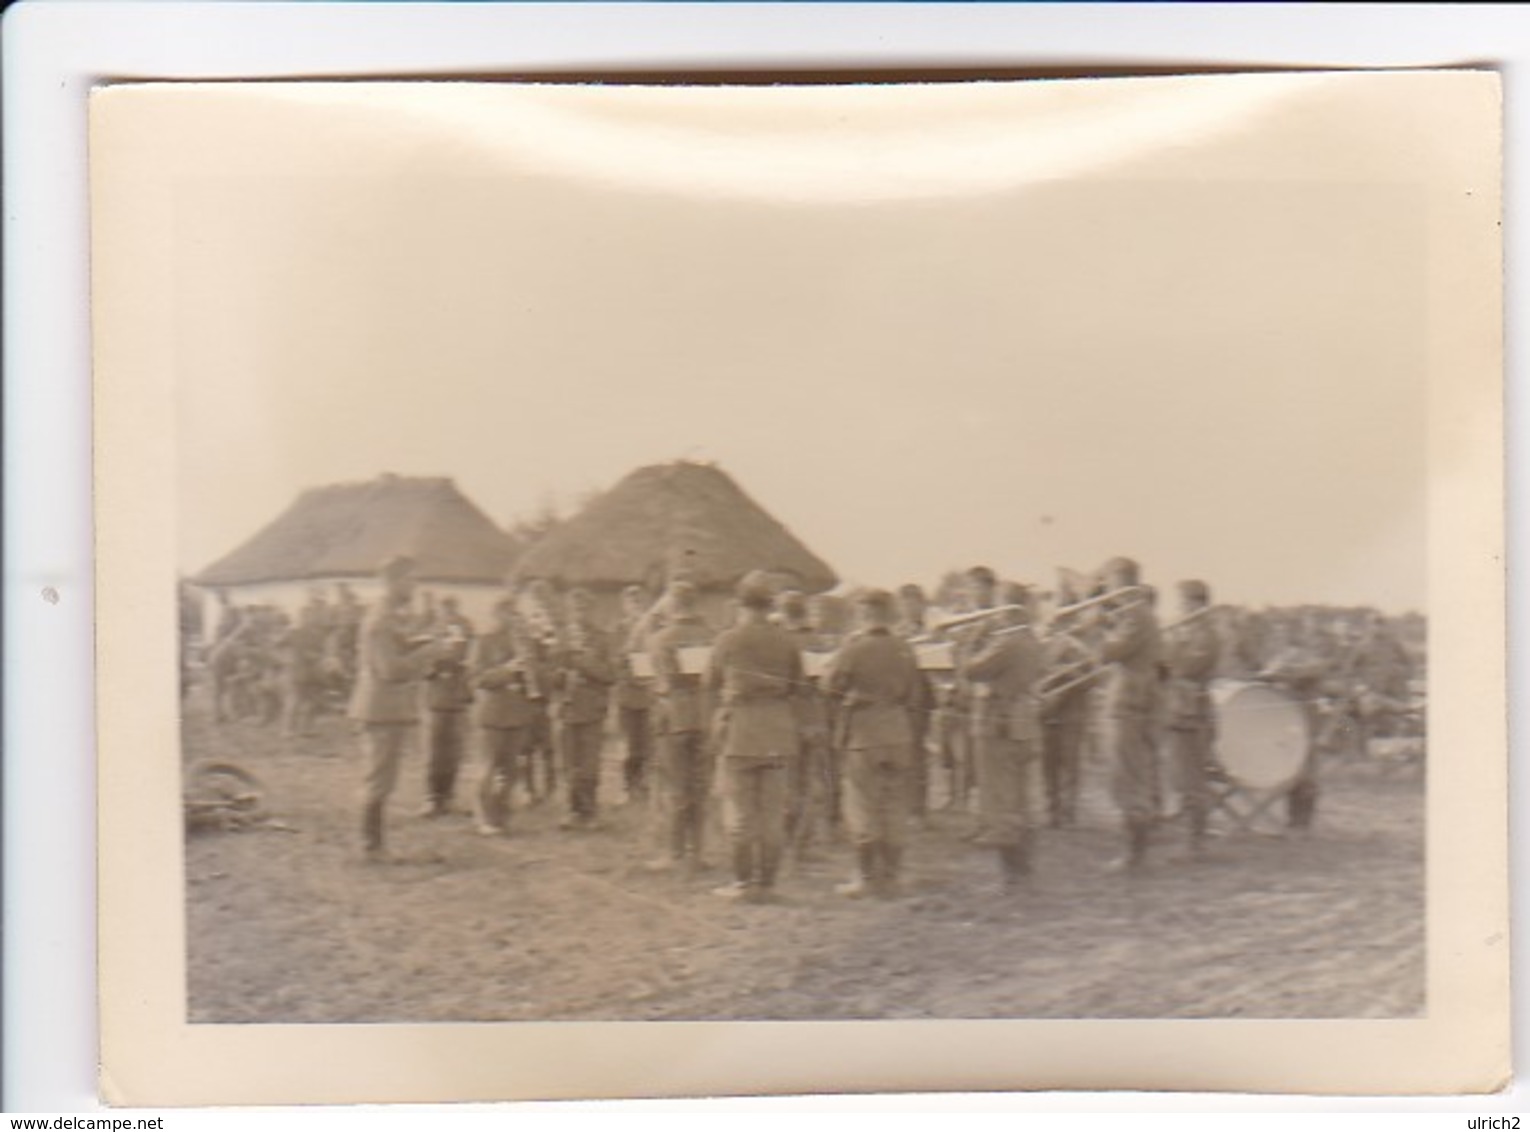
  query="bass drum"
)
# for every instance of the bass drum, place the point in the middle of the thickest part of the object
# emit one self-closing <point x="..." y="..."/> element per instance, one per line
<point x="1261" y="734"/>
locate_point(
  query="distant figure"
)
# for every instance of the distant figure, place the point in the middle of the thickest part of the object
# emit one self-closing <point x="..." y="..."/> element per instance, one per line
<point x="634" y="697"/>
<point x="755" y="670"/>
<point x="305" y="645"/>
<point x="1190" y="653"/>
<point x="876" y="680"/>
<point x="682" y="712"/>
<point x="391" y="669"/>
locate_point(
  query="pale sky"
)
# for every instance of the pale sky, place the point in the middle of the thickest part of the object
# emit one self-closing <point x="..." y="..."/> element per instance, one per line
<point x="912" y="339"/>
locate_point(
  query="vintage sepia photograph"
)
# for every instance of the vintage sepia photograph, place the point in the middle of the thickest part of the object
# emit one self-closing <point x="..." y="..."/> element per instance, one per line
<point x="887" y="552"/>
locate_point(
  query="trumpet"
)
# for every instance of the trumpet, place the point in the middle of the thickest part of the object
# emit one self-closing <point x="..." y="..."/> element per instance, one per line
<point x="958" y="620"/>
<point x="1136" y="596"/>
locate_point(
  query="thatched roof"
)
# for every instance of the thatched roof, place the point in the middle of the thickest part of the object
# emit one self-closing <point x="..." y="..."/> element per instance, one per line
<point x="349" y="529"/>
<point x="666" y="513"/>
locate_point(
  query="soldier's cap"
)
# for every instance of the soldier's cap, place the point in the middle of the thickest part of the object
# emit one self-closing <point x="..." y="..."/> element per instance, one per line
<point x="911" y="589"/>
<point x="681" y="592"/>
<point x="755" y="592"/>
<point x="1013" y="593"/>
<point x="1195" y="589"/>
<point x="1121" y="567"/>
<point x="875" y="601"/>
<point x="577" y="596"/>
<point x="505" y="607"/>
<point x="398" y="566"/>
<point x="982" y="574"/>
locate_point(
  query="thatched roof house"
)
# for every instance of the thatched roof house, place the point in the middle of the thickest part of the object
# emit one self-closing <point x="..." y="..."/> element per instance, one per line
<point x="343" y="532"/>
<point x="686" y="515"/>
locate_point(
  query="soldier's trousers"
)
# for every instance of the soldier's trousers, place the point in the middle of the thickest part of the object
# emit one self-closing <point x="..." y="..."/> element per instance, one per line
<point x="754" y="816"/>
<point x="448" y="735"/>
<point x="637" y="732"/>
<point x="503" y="750"/>
<point x="540" y="747"/>
<point x="1134" y="785"/>
<point x="810" y="789"/>
<point x="918" y="775"/>
<point x="1190" y="751"/>
<point x="685" y="777"/>
<point x="385" y="745"/>
<point x="1004" y="770"/>
<point x="581" y="743"/>
<point x="1062" y="747"/>
<point x="877" y="795"/>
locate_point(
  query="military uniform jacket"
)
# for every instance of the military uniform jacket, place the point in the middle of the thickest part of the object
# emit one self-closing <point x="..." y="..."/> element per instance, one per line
<point x="1131" y="649"/>
<point x="684" y="703"/>
<point x="876" y="679"/>
<point x="585" y="678"/>
<point x="1007" y="667"/>
<point x="448" y="686"/>
<point x="809" y="703"/>
<point x="1190" y="654"/>
<point x="389" y="671"/>
<point x="631" y="692"/>
<point x="756" y="671"/>
<point x="504" y="676"/>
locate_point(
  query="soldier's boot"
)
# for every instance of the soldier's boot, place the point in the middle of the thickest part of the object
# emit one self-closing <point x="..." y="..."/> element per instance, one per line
<point x="865" y="880"/>
<point x="768" y="865"/>
<point x="1197" y="831"/>
<point x="890" y="882"/>
<point x="743" y="874"/>
<point x="1300" y="804"/>
<point x="1138" y="834"/>
<point x="372" y="830"/>
<point x="1015" y="863"/>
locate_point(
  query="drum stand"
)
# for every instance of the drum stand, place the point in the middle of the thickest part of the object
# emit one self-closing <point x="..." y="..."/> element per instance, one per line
<point x="1248" y="809"/>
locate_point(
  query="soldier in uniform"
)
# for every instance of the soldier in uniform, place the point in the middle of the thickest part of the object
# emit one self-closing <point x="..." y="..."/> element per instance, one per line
<point x="875" y="680"/>
<point x="537" y="630"/>
<point x="386" y="701"/>
<point x="682" y="712"/>
<point x="634" y="698"/>
<point x="448" y="695"/>
<point x="503" y="670"/>
<point x="811" y="783"/>
<point x="1130" y="650"/>
<point x="305" y="645"/>
<point x="1301" y="675"/>
<point x="979" y="593"/>
<point x="1003" y="667"/>
<point x="1064" y="723"/>
<point x="586" y="671"/>
<point x="912" y="609"/>
<point x="755" y="670"/>
<point x="1190" y="653"/>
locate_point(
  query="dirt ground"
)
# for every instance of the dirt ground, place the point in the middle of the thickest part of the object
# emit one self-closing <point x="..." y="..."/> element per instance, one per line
<point x="288" y="925"/>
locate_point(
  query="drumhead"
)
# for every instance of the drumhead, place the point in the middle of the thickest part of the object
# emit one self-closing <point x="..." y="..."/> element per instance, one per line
<point x="1261" y="733"/>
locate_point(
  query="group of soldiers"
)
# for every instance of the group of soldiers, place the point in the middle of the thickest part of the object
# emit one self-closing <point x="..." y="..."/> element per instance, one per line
<point x="270" y="667"/>
<point x="810" y="733"/>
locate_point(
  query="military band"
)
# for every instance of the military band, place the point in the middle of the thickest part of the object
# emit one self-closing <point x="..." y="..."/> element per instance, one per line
<point x="807" y="735"/>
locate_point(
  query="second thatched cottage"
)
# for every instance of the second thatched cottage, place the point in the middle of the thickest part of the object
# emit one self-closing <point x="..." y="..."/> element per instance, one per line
<point x="665" y="519"/>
